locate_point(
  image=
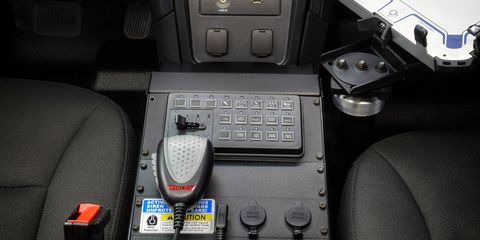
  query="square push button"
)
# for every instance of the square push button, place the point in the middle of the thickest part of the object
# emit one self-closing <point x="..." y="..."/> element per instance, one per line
<point x="225" y="119"/>
<point x="271" y="120"/>
<point x="272" y="136"/>
<point x="241" y="135"/>
<point x="256" y="119"/>
<point x="288" y="137"/>
<point x="271" y="105"/>
<point x="211" y="103"/>
<point x="262" y="42"/>
<point x="287" y="105"/>
<point x="217" y="42"/>
<point x="256" y="104"/>
<point x="180" y="102"/>
<point x="256" y="136"/>
<point x="226" y="103"/>
<point x="195" y="103"/>
<point x="241" y="104"/>
<point x="241" y="119"/>
<point x="224" y="135"/>
<point x="288" y="121"/>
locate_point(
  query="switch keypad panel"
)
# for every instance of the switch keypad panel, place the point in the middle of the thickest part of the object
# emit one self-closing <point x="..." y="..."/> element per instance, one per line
<point x="243" y="124"/>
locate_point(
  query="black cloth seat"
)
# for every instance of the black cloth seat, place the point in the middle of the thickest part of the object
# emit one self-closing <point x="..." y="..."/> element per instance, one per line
<point x="59" y="146"/>
<point x="418" y="185"/>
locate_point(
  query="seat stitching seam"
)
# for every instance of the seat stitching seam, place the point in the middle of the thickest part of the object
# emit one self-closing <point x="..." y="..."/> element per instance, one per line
<point x="352" y="201"/>
<point x="124" y="171"/>
<point x="63" y="154"/>
<point x="408" y="188"/>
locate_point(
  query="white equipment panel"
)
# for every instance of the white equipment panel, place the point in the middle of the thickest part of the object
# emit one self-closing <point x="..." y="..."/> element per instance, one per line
<point x="447" y="22"/>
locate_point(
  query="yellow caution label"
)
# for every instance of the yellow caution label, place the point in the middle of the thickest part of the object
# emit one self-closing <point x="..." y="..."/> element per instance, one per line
<point x="189" y="217"/>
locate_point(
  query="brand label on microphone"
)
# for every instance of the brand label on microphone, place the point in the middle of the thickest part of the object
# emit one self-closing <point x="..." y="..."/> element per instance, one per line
<point x="157" y="217"/>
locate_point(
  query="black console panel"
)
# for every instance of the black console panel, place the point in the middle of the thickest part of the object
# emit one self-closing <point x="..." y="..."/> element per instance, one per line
<point x="248" y="31"/>
<point x="268" y="31"/>
<point x="240" y="124"/>
<point x="277" y="181"/>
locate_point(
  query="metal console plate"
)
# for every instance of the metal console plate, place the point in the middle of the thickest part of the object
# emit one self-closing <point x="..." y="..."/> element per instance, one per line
<point x="275" y="183"/>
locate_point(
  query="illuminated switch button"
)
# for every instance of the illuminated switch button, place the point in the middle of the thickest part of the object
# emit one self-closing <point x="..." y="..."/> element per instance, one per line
<point x="241" y="104"/>
<point x="288" y="137"/>
<point x="225" y="119"/>
<point x="272" y="136"/>
<point x="288" y="121"/>
<point x="256" y="104"/>
<point x="271" y="120"/>
<point x="287" y="105"/>
<point x="211" y="103"/>
<point x="271" y="104"/>
<point x="226" y="103"/>
<point x="195" y="103"/>
<point x="224" y="135"/>
<point x="241" y="119"/>
<point x="256" y="136"/>
<point x="256" y="120"/>
<point x="180" y="102"/>
<point x="240" y="135"/>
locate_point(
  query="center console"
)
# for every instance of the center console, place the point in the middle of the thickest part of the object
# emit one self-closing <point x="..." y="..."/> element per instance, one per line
<point x="268" y="138"/>
<point x="265" y="31"/>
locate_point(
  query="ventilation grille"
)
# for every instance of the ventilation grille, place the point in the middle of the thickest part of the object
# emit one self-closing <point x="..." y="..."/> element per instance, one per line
<point x="184" y="154"/>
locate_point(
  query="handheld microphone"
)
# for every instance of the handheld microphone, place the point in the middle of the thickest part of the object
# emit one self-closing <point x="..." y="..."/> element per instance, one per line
<point x="182" y="171"/>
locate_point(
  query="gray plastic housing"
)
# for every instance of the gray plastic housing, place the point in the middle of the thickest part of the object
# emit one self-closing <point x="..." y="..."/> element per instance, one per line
<point x="240" y="30"/>
<point x="274" y="183"/>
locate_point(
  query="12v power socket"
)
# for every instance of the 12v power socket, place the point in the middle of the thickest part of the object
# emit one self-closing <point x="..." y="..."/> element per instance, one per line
<point x="298" y="217"/>
<point x="253" y="217"/>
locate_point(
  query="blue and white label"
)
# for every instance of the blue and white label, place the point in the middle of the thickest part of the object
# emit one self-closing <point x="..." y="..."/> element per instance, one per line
<point x="157" y="217"/>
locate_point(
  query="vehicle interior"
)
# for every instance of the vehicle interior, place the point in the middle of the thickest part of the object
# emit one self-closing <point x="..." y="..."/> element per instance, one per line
<point x="239" y="119"/>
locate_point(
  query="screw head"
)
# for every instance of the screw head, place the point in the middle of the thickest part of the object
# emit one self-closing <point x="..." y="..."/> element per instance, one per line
<point x="135" y="227"/>
<point x="140" y="188"/>
<point x="316" y="101"/>
<point x="145" y="152"/>
<point x="342" y="64"/>
<point x="143" y="165"/>
<point x="138" y="202"/>
<point x="320" y="169"/>
<point x="319" y="155"/>
<point x="381" y="67"/>
<point x="382" y="26"/>
<point x="362" y="65"/>
<point x="322" y="205"/>
<point x="322" y="192"/>
<point x="324" y="230"/>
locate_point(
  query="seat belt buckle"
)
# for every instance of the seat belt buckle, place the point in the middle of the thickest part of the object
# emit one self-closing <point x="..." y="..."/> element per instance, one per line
<point x="87" y="222"/>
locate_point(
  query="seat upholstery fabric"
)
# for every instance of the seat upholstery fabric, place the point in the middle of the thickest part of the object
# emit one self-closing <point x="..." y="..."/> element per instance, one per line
<point x="59" y="146"/>
<point x="419" y="185"/>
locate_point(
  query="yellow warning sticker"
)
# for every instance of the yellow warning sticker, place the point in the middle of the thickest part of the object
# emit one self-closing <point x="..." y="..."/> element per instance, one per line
<point x="189" y="217"/>
<point x="157" y="217"/>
